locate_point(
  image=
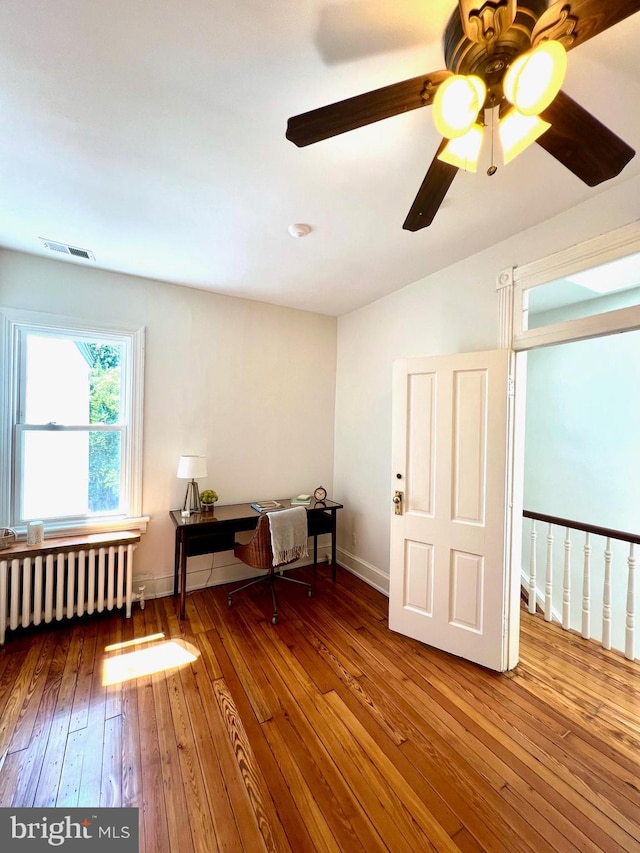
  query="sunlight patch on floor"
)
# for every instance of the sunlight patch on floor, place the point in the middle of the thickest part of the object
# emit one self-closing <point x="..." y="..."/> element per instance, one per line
<point x="162" y="656"/>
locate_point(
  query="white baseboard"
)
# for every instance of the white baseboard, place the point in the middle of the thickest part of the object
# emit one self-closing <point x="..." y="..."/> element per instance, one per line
<point x="365" y="571"/>
<point x="160" y="586"/>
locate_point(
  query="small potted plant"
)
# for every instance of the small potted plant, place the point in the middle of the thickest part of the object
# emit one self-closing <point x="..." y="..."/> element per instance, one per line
<point x="207" y="499"/>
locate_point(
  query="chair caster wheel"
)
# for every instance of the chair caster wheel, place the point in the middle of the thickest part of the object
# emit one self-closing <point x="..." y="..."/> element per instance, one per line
<point x="274" y="620"/>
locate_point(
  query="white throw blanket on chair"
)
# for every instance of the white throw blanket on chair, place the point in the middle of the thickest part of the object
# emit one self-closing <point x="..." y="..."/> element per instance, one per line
<point x="288" y="534"/>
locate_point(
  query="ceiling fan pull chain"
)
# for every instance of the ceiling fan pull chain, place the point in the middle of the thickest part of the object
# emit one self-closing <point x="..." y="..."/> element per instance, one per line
<point x="492" y="166"/>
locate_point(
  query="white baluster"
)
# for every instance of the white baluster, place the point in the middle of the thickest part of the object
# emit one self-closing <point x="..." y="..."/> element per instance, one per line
<point x="548" y="586"/>
<point x="566" y="582"/>
<point x="586" y="590"/>
<point x="532" y="568"/>
<point x="629" y="639"/>
<point x="606" y="597"/>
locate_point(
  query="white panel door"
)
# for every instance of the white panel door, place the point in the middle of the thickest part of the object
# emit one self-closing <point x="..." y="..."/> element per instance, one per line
<point x="449" y="583"/>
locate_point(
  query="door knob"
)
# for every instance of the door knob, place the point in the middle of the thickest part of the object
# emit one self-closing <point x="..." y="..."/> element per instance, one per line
<point x="397" y="503"/>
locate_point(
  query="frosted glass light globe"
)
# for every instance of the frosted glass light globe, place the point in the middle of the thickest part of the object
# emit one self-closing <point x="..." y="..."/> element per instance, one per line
<point x="456" y="104"/>
<point x="534" y="79"/>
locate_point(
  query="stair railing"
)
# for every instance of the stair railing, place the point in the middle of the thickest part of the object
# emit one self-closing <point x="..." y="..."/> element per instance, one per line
<point x="544" y="598"/>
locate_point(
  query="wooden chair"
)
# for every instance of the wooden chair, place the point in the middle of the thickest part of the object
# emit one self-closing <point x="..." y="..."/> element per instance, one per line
<point x="258" y="554"/>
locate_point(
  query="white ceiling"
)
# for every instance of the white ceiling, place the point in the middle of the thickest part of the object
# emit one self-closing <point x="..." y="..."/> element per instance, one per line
<point x="152" y="132"/>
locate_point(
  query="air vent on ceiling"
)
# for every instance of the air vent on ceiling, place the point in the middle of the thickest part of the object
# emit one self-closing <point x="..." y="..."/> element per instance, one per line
<point x="64" y="249"/>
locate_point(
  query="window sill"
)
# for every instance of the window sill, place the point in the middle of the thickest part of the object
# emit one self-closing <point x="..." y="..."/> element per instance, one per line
<point x="108" y="525"/>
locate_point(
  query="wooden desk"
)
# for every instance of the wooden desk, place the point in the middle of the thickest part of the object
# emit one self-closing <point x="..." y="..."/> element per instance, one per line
<point x="209" y="532"/>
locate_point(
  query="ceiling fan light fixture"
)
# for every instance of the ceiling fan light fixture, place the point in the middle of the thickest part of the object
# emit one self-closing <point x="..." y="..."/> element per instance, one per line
<point x="464" y="151"/>
<point x="457" y="103"/>
<point x="518" y="131"/>
<point x="534" y="79"/>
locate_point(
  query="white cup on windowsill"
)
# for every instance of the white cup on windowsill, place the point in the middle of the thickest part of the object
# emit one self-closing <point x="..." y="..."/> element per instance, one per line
<point x="35" y="533"/>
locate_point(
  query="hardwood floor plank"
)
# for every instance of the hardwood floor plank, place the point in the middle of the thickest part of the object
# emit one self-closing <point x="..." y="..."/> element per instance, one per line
<point x="365" y="784"/>
<point x="44" y="780"/>
<point x="47" y="667"/>
<point x="202" y="832"/>
<point x="10" y="776"/>
<point x="512" y="762"/>
<point x="325" y="732"/>
<point x="231" y="807"/>
<point x="553" y="746"/>
<point x="153" y="810"/>
<point x="131" y="758"/>
<point x="471" y="750"/>
<point x="68" y="791"/>
<point x="174" y="794"/>
<point x="320" y="832"/>
<point x="238" y="636"/>
<point x="82" y="696"/>
<point x="215" y="804"/>
<point x="426" y="768"/>
<point x="305" y="774"/>
<point x="347" y="815"/>
<point x="91" y="781"/>
<point x="111" y="776"/>
<point x="435" y="836"/>
<point x="17" y="694"/>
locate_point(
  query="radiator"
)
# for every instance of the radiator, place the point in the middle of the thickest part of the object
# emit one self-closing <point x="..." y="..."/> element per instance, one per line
<point x="62" y="584"/>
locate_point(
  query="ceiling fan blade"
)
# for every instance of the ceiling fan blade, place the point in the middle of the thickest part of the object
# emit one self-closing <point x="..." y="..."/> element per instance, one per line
<point x="431" y="194"/>
<point x="360" y="110"/>
<point x="582" y="143"/>
<point x="575" y="22"/>
<point x="484" y="21"/>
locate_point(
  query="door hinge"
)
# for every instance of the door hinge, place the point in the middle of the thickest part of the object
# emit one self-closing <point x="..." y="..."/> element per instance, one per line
<point x="511" y="386"/>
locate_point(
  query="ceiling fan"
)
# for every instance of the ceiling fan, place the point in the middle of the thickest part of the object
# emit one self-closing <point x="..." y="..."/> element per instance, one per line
<point x="504" y="65"/>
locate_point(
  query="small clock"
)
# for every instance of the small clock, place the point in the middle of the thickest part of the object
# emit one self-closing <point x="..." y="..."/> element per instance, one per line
<point x="320" y="493"/>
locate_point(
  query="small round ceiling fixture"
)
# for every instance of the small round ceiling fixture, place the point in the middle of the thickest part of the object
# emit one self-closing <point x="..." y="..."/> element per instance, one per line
<point x="299" y="229"/>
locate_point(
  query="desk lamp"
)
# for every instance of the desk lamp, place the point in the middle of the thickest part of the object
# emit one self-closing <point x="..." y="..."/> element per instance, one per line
<point x="190" y="468"/>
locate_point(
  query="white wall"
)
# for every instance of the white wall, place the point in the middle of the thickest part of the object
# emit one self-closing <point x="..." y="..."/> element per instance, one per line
<point x="581" y="456"/>
<point x="249" y="385"/>
<point x="455" y="310"/>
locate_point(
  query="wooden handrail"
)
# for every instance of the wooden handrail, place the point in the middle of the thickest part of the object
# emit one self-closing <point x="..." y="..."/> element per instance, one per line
<point x="580" y="525"/>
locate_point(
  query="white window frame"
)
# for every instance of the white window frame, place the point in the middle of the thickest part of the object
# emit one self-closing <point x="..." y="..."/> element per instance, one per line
<point x="12" y="323"/>
<point x="592" y="253"/>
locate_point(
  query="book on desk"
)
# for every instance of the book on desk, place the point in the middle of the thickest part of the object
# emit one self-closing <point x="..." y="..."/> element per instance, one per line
<point x="265" y="506"/>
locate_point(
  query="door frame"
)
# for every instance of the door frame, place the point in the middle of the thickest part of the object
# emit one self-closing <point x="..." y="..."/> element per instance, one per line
<point x="513" y="285"/>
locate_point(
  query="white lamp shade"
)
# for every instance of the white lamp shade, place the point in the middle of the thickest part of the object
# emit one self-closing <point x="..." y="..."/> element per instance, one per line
<point x="464" y="152"/>
<point x="518" y="131"/>
<point x="192" y="467"/>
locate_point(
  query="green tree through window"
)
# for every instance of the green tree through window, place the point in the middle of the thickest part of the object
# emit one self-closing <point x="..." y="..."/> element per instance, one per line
<point x="104" y="447"/>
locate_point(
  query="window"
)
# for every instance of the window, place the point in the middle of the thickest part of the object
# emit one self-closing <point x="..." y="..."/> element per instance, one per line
<point x="71" y="449"/>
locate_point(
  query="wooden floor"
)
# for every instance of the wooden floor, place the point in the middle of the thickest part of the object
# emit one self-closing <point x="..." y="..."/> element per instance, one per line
<point x="325" y="732"/>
